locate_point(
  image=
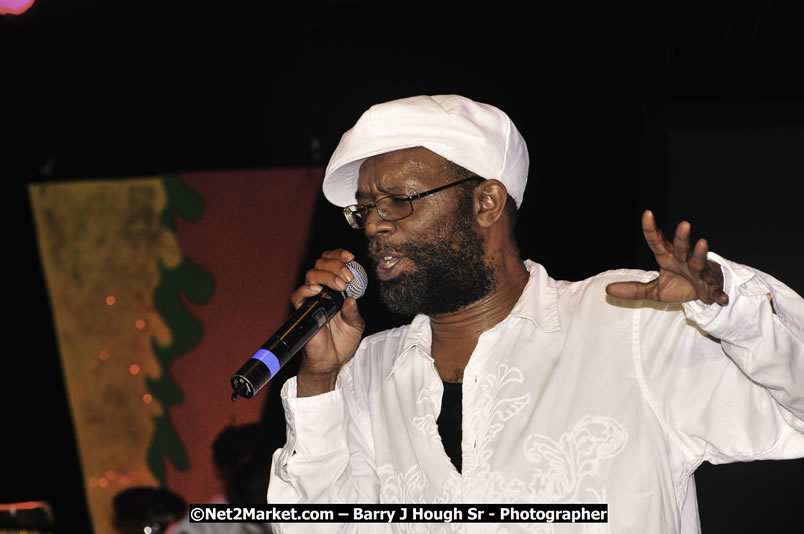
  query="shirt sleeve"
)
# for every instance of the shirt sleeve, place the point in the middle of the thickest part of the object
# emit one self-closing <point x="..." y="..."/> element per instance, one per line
<point x="728" y="382"/>
<point x="327" y="457"/>
<point x="762" y="330"/>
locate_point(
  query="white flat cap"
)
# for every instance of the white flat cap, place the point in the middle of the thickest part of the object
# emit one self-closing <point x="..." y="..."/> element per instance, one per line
<point x="478" y="137"/>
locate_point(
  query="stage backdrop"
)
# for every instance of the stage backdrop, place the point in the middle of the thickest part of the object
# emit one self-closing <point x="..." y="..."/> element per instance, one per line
<point x="160" y="289"/>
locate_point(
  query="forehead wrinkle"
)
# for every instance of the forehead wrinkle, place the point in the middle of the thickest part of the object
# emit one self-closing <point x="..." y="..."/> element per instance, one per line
<point x="402" y="178"/>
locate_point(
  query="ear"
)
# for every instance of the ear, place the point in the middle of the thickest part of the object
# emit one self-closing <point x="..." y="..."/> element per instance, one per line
<point x="490" y="198"/>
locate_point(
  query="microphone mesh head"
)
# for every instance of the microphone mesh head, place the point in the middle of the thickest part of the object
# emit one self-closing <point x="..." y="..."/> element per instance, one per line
<point x="358" y="286"/>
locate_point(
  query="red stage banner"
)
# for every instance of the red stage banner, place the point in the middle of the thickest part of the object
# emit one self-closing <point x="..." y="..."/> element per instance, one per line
<point x="160" y="289"/>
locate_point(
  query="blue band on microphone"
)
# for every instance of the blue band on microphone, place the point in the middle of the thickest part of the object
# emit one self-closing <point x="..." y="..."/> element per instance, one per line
<point x="358" y="276"/>
<point x="269" y="359"/>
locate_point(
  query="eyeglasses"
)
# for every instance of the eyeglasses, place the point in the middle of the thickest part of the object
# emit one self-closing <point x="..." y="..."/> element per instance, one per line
<point x="392" y="207"/>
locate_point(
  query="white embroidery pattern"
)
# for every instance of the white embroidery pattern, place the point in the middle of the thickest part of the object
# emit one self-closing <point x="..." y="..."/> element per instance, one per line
<point x="498" y="410"/>
<point x="397" y="488"/>
<point x="426" y="423"/>
<point x="559" y="467"/>
<point x="408" y="487"/>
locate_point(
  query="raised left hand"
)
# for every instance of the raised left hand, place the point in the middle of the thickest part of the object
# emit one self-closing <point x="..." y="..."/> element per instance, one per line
<point x="684" y="274"/>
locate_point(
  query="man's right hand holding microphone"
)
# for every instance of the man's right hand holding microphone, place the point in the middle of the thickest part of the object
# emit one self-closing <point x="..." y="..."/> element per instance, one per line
<point x="334" y="344"/>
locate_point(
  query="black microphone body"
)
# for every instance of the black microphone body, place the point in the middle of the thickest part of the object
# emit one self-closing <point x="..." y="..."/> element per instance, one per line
<point x="302" y="325"/>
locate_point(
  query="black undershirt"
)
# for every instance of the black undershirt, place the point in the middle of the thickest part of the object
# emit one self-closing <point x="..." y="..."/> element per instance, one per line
<point x="449" y="422"/>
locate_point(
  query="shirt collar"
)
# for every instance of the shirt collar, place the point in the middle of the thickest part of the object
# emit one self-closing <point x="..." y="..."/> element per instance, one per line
<point x="538" y="304"/>
<point x="539" y="299"/>
<point x="418" y="339"/>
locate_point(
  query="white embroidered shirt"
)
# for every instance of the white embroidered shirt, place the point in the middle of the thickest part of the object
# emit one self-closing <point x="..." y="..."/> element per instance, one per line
<point x="573" y="398"/>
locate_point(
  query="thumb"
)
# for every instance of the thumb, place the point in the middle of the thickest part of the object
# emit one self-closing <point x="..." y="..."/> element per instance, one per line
<point x="351" y="313"/>
<point x="629" y="290"/>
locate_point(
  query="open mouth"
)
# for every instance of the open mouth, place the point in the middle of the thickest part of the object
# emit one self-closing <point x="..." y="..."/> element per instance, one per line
<point x="389" y="266"/>
<point x="389" y="261"/>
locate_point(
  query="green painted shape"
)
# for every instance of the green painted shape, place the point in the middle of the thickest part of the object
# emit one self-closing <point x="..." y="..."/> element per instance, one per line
<point x="182" y="202"/>
<point x="198" y="286"/>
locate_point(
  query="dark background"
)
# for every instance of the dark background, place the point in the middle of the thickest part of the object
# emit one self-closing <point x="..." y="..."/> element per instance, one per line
<point x="692" y="109"/>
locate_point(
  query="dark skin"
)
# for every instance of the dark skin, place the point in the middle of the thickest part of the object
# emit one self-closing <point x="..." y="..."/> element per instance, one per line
<point x="684" y="274"/>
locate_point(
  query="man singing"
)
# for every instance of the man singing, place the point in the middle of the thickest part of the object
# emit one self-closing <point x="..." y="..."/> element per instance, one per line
<point x="509" y="386"/>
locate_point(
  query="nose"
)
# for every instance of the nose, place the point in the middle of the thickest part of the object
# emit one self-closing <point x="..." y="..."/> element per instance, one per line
<point x="375" y="224"/>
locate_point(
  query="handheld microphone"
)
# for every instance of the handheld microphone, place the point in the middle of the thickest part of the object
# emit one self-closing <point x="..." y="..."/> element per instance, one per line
<point x="303" y="324"/>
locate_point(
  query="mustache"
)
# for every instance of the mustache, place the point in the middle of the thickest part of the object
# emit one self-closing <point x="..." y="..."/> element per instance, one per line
<point x="376" y="246"/>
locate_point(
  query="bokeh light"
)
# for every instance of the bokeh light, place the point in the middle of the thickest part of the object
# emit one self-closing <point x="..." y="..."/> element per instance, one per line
<point x="14" y="7"/>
